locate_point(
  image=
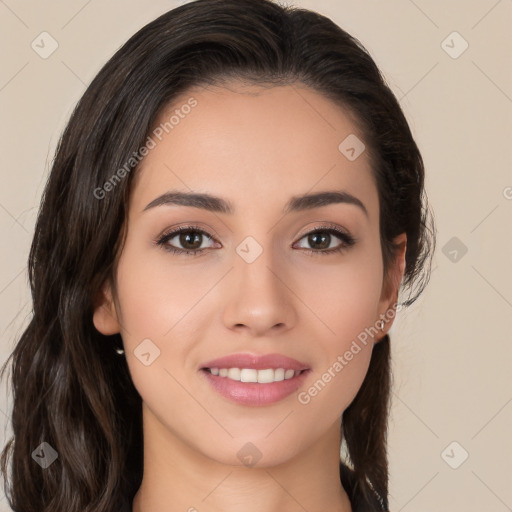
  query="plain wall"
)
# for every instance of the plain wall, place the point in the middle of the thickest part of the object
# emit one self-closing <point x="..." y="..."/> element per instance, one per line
<point x="452" y="348"/>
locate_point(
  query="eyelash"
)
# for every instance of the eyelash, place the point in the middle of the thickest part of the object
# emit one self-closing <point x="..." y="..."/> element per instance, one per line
<point x="346" y="239"/>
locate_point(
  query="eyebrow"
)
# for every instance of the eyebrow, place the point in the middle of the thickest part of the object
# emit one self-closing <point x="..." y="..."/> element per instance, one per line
<point x="220" y="205"/>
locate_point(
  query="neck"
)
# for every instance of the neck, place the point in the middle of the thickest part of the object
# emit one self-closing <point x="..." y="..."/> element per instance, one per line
<point x="177" y="477"/>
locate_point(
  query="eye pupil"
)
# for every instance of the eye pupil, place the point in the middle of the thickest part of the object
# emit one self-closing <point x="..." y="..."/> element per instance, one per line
<point x="184" y="240"/>
<point x="315" y="236"/>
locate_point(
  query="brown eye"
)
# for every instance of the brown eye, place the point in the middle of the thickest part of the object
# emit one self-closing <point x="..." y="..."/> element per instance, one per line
<point x="190" y="238"/>
<point x="320" y="240"/>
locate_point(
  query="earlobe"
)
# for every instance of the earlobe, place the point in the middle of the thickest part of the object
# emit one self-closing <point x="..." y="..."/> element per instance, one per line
<point x="389" y="298"/>
<point x="105" y="315"/>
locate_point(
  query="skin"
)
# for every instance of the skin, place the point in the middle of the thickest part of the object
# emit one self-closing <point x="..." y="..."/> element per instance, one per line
<point x="256" y="147"/>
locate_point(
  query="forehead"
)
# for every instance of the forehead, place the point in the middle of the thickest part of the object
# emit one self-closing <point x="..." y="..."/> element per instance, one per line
<point x="248" y="143"/>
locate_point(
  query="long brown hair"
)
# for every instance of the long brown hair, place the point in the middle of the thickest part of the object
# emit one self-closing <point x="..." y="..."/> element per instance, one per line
<point x="70" y="388"/>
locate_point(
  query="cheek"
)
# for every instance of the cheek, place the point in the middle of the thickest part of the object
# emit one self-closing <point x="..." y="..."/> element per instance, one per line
<point x="156" y="295"/>
<point x="156" y="301"/>
<point x="345" y="354"/>
<point x="344" y="296"/>
<point x="160" y="302"/>
<point x="347" y="302"/>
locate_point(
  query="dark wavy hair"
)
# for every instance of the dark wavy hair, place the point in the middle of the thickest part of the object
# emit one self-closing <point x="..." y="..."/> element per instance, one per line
<point x="70" y="388"/>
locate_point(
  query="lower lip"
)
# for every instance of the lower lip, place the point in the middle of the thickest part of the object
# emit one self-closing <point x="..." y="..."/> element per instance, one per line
<point x="253" y="393"/>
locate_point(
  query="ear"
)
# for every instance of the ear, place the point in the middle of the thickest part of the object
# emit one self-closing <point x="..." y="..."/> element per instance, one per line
<point x="391" y="285"/>
<point x="105" y="317"/>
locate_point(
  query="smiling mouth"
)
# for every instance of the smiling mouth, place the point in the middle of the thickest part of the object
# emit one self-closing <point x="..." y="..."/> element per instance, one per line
<point x="255" y="387"/>
<point x="263" y="376"/>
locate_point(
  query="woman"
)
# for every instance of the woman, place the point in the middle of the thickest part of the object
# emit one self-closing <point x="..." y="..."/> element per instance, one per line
<point x="233" y="209"/>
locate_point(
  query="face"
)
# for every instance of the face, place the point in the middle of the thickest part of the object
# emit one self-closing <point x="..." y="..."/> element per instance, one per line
<point x="299" y="279"/>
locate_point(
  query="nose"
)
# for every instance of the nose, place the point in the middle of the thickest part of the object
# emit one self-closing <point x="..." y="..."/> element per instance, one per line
<point x="260" y="299"/>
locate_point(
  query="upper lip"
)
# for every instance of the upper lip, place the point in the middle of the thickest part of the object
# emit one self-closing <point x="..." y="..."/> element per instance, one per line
<point x="256" y="362"/>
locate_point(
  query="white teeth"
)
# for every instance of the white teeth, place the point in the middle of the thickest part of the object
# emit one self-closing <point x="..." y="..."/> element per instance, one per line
<point x="234" y="373"/>
<point x="279" y="374"/>
<point x="288" y="374"/>
<point x="265" y="376"/>
<point x="248" y="375"/>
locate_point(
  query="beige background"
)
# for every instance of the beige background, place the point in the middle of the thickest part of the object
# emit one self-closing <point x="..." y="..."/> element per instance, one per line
<point x="452" y="349"/>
